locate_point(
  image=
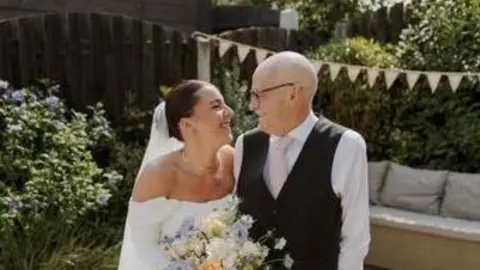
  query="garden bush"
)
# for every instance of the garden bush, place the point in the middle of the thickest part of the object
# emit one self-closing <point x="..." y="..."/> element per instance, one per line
<point x="441" y="130"/>
<point x="356" y="105"/>
<point x="419" y="128"/>
<point x="235" y="91"/>
<point x="442" y="35"/>
<point x="49" y="179"/>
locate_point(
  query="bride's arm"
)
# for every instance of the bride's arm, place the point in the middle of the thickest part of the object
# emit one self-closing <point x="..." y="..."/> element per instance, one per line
<point x="226" y="153"/>
<point x="154" y="181"/>
<point x="148" y="210"/>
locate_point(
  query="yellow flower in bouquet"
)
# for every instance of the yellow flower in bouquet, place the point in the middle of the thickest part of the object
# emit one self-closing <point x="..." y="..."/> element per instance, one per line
<point x="248" y="267"/>
<point x="213" y="227"/>
<point x="209" y="266"/>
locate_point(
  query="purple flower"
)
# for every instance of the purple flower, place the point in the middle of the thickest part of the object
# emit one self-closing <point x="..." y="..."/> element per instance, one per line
<point x="103" y="198"/>
<point x="19" y="95"/>
<point x="14" y="204"/>
<point x="52" y="101"/>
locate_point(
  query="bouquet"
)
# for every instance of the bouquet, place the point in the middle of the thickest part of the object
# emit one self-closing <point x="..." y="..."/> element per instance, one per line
<point x="219" y="242"/>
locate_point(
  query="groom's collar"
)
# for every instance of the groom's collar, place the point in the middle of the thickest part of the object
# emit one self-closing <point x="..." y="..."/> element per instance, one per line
<point x="301" y="132"/>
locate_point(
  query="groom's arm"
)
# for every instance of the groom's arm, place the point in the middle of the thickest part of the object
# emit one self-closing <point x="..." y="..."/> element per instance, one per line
<point x="238" y="156"/>
<point x="350" y="182"/>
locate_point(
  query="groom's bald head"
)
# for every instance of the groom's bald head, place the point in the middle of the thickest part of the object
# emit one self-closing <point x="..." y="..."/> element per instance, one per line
<point x="283" y="87"/>
<point x="289" y="66"/>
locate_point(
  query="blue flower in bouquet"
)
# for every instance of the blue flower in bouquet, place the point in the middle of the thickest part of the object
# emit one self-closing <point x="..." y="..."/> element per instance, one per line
<point x="179" y="265"/>
<point x="187" y="226"/>
<point x="166" y="240"/>
<point x="239" y="232"/>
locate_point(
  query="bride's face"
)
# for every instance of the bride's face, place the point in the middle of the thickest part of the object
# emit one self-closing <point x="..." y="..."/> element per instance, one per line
<point x="211" y="117"/>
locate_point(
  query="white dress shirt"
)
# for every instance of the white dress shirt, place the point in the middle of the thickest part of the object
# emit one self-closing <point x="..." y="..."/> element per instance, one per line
<point x="349" y="181"/>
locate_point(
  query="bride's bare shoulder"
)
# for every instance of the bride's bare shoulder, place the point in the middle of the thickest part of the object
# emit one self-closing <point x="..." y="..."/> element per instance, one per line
<point x="226" y="153"/>
<point x="156" y="179"/>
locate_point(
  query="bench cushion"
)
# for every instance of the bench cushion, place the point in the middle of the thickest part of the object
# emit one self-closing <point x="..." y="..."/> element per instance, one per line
<point x="417" y="190"/>
<point x="376" y="175"/>
<point x="431" y="224"/>
<point x="462" y="196"/>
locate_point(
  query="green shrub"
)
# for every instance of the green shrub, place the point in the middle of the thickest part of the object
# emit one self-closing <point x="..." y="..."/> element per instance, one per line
<point x="235" y="92"/>
<point x="49" y="178"/>
<point x="416" y="128"/>
<point x="441" y="130"/>
<point x="356" y="105"/>
<point x="443" y="35"/>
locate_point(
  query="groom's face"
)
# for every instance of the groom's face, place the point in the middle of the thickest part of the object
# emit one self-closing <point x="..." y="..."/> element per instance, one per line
<point x="268" y="100"/>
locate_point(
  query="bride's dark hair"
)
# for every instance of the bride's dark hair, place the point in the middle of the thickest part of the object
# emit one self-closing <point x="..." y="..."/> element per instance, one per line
<point x="179" y="103"/>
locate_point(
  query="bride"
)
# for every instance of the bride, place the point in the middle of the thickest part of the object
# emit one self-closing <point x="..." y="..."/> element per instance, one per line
<point x="186" y="171"/>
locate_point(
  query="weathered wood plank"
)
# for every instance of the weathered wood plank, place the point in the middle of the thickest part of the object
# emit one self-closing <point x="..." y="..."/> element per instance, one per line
<point x="177" y="56"/>
<point x="137" y="68"/>
<point x="183" y="15"/>
<point x="159" y="54"/>
<point x="119" y="69"/>
<point x="55" y="49"/>
<point x="150" y="89"/>
<point x="73" y="62"/>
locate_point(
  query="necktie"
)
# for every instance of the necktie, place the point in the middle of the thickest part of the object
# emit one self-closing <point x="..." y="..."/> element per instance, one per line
<point x="278" y="164"/>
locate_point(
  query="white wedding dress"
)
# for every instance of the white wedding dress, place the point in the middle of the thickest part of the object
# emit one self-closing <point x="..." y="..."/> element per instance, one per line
<point x="147" y="221"/>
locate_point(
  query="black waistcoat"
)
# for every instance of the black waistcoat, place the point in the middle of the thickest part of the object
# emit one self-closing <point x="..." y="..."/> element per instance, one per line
<point x="307" y="212"/>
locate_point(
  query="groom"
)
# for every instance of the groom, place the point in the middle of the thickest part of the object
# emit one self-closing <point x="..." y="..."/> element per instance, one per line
<point x="303" y="176"/>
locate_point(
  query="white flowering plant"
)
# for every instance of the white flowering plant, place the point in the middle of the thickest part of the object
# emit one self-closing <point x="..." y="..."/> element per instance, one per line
<point x="221" y="241"/>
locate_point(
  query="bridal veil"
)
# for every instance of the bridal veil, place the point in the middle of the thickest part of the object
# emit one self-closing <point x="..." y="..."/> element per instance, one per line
<point x="159" y="143"/>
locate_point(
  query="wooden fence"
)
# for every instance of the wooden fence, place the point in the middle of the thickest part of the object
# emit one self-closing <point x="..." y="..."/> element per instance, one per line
<point x="184" y="15"/>
<point x="384" y="25"/>
<point x="95" y="57"/>
<point x="101" y="57"/>
<point x="274" y="38"/>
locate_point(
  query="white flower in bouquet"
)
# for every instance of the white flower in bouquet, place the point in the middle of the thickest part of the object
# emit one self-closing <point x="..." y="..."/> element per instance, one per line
<point x="280" y="243"/>
<point x="288" y="261"/>
<point x="219" y="248"/>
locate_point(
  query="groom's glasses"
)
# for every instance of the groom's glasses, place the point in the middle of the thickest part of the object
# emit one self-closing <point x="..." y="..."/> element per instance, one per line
<point x="256" y="93"/>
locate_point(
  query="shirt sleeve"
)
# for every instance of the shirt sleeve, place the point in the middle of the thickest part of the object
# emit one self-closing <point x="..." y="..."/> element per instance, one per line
<point x="350" y="182"/>
<point x="237" y="161"/>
